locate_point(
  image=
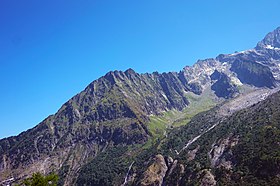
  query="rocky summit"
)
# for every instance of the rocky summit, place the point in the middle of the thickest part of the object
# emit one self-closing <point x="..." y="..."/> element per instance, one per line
<point x="213" y="123"/>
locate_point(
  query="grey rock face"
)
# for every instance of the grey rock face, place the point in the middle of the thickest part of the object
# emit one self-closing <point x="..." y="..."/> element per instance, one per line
<point x="223" y="86"/>
<point x="221" y="155"/>
<point x="253" y="73"/>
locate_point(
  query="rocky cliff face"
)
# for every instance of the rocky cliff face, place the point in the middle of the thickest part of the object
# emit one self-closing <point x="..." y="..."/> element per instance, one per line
<point x="114" y="111"/>
<point x="253" y="73"/>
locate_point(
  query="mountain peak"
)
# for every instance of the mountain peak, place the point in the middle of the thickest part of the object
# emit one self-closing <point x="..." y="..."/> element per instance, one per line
<point x="130" y="72"/>
<point x="270" y="41"/>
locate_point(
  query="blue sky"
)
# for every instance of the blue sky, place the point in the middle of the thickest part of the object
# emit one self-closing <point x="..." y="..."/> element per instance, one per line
<point x="51" y="50"/>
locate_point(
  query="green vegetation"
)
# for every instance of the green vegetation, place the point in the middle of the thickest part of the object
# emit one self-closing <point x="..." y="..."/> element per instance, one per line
<point x="106" y="169"/>
<point x="197" y="105"/>
<point x="158" y="125"/>
<point x="39" y="179"/>
<point x="110" y="167"/>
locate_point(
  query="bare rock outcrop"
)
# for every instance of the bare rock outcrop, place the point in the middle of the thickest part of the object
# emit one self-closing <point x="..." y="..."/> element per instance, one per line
<point x="207" y="178"/>
<point x="220" y="154"/>
<point x="155" y="173"/>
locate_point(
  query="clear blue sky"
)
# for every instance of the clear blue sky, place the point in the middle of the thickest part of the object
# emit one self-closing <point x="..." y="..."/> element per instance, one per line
<point x="51" y="50"/>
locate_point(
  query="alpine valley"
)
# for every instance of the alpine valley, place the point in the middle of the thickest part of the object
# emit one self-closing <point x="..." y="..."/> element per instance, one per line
<point x="214" y="123"/>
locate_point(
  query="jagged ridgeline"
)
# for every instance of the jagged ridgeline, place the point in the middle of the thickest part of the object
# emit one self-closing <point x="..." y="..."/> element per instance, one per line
<point x="200" y="125"/>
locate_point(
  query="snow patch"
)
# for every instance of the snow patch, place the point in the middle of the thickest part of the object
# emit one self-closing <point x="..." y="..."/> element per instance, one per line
<point x="235" y="81"/>
<point x="241" y="52"/>
<point x="271" y="47"/>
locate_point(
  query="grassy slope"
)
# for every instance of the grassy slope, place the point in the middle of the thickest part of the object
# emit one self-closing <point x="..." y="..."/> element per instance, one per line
<point x="158" y="125"/>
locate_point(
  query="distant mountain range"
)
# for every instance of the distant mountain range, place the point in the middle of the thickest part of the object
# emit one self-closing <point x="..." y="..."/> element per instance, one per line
<point x="213" y="123"/>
